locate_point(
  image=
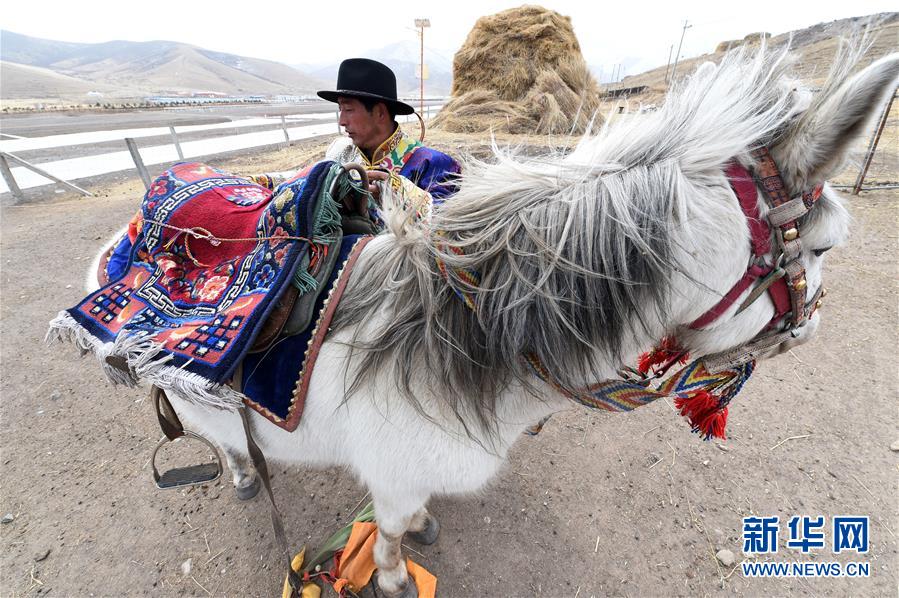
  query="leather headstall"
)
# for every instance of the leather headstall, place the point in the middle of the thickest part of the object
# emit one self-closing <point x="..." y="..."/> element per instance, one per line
<point x="783" y="274"/>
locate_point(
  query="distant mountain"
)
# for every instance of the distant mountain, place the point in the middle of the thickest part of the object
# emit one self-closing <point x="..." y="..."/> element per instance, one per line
<point x="403" y="58"/>
<point x="155" y="67"/>
<point x="22" y="82"/>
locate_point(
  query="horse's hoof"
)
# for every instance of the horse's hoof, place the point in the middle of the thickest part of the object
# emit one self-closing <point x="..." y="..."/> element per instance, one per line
<point x="410" y="591"/>
<point x="248" y="492"/>
<point x="429" y="534"/>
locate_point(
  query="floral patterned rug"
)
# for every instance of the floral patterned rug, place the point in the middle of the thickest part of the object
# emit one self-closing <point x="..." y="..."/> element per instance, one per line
<point x="214" y="253"/>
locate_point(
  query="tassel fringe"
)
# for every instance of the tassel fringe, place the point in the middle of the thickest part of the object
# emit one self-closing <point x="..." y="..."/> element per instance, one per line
<point x="703" y="411"/>
<point x="143" y="365"/>
<point x="304" y="281"/>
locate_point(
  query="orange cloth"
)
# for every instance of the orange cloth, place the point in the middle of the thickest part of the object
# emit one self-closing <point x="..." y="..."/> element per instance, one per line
<point x="357" y="563"/>
<point x="135" y="226"/>
<point x="424" y="580"/>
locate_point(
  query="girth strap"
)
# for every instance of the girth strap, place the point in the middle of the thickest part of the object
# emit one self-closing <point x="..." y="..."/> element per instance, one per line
<point x="259" y="462"/>
<point x="165" y="413"/>
<point x="261" y="466"/>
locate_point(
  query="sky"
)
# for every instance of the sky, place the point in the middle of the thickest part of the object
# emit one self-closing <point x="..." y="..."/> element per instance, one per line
<point x="638" y="33"/>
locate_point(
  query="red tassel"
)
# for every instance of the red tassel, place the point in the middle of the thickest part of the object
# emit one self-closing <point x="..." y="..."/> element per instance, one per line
<point x="663" y="355"/>
<point x="702" y="411"/>
<point x="646" y="361"/>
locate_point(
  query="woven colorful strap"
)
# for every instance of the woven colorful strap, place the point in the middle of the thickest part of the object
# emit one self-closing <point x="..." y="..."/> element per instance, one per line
<point x="702" y="397"/>
<point x="470" y="277"/>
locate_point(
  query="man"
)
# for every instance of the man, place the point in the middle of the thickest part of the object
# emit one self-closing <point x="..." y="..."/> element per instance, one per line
<point x="367" y="99"/>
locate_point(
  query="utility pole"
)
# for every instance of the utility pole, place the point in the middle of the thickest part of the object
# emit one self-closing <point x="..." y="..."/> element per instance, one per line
<point x="676" y="58"/>
<point x="668" y="66"/>
<point x="421" y="24"/>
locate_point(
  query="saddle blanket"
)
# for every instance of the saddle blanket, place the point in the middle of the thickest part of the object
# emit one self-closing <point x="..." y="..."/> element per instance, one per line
<point x="276" y="381"/>
<point x="214" y="254"/>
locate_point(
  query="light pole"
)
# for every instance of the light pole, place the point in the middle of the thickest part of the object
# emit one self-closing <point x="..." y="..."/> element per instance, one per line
<point x="421" y="24"/>
<point x="677" y="57"/>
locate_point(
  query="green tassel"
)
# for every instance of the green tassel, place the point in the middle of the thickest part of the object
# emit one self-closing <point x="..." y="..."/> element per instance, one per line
<point x="304" y="281"/>
<point x="326" y="220"/>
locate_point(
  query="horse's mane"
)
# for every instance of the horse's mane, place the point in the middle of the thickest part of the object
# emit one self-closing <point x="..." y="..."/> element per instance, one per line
<point x="575" y="252"/>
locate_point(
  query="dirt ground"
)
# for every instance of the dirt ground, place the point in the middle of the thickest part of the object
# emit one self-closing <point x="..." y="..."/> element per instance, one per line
<point x="596" y="505"/>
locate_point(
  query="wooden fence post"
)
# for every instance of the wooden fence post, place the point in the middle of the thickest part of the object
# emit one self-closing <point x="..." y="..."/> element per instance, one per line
<point x="138" y="162"/>
<point x="177" y="144"/>
<point x="872" y="146"/>
<point x="284" y="128"/>
<point x="10" y="179"/>
<point x="7" y="156"/>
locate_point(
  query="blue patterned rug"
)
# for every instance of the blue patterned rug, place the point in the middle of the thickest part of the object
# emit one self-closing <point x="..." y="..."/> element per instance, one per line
<point x="214" y="254"/>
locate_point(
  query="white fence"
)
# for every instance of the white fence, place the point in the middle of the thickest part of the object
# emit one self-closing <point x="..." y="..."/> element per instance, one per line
<point x="22" y="177"/>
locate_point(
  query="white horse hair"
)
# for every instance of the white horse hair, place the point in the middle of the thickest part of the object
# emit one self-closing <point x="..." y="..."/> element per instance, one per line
<point x="585" y="260"/>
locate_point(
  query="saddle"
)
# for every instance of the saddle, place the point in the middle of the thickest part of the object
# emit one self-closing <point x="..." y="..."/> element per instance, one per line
<point x="294" y="311"/>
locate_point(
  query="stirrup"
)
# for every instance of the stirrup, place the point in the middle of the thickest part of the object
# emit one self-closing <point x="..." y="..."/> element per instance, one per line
<point x="192" y="475"/>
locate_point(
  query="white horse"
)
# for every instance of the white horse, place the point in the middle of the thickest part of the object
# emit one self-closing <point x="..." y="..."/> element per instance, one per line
<point x="585" y="260"/>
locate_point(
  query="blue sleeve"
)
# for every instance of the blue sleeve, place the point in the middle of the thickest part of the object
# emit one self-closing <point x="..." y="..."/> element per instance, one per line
<point x="120" y="258"/>
<point x="433" y="171"/>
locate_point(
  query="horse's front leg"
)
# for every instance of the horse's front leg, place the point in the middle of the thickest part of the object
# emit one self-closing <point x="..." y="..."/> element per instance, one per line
<point x="394" y="517"/>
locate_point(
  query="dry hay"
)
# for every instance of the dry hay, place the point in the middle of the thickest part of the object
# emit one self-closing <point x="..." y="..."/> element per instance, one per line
<point x="753" y="39"/>
<point x="520" y="71"/>
<point x="728" y="45"/>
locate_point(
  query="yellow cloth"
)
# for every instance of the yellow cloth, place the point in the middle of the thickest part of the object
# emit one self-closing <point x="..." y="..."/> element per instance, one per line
<point x="310" y="590"/>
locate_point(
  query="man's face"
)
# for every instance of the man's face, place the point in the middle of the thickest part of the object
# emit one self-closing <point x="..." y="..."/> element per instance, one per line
<point x="359" y="123"/>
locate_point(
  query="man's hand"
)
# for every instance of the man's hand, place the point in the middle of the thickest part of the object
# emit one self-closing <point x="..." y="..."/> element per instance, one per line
<point x="375" y="176"/>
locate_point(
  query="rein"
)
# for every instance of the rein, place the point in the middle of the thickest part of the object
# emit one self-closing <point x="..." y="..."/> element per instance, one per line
<point x="702" y="390"/>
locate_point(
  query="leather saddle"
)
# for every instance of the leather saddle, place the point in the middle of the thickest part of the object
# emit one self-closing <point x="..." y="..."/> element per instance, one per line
<point x="293" y="312"/>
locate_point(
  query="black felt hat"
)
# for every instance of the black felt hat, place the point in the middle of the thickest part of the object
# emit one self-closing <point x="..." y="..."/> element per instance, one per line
<point x="365" y="78"/>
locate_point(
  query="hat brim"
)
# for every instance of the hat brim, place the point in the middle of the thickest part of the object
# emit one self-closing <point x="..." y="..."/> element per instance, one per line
<point x="400" y="107"/>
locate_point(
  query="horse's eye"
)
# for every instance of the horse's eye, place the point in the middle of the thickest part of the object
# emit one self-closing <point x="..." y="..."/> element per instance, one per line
<point x="820" y="252"/>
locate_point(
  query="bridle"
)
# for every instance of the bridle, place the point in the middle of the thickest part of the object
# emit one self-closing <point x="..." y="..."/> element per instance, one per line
<point x="783" y="277"/>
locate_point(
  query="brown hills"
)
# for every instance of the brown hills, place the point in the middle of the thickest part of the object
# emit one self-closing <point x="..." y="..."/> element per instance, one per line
<point x="32" y="68"/>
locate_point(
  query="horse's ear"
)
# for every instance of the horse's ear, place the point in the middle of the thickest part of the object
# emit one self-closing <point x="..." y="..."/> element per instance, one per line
<point x="817" y="144"/>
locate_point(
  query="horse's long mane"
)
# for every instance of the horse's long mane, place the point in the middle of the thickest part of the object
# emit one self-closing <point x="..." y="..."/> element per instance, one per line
<point x="575" y="252"/>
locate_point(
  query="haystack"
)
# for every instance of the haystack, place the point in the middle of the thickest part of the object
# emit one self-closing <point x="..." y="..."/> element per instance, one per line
<point x="753" y="39"/>
<point x="520" y="71"/>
